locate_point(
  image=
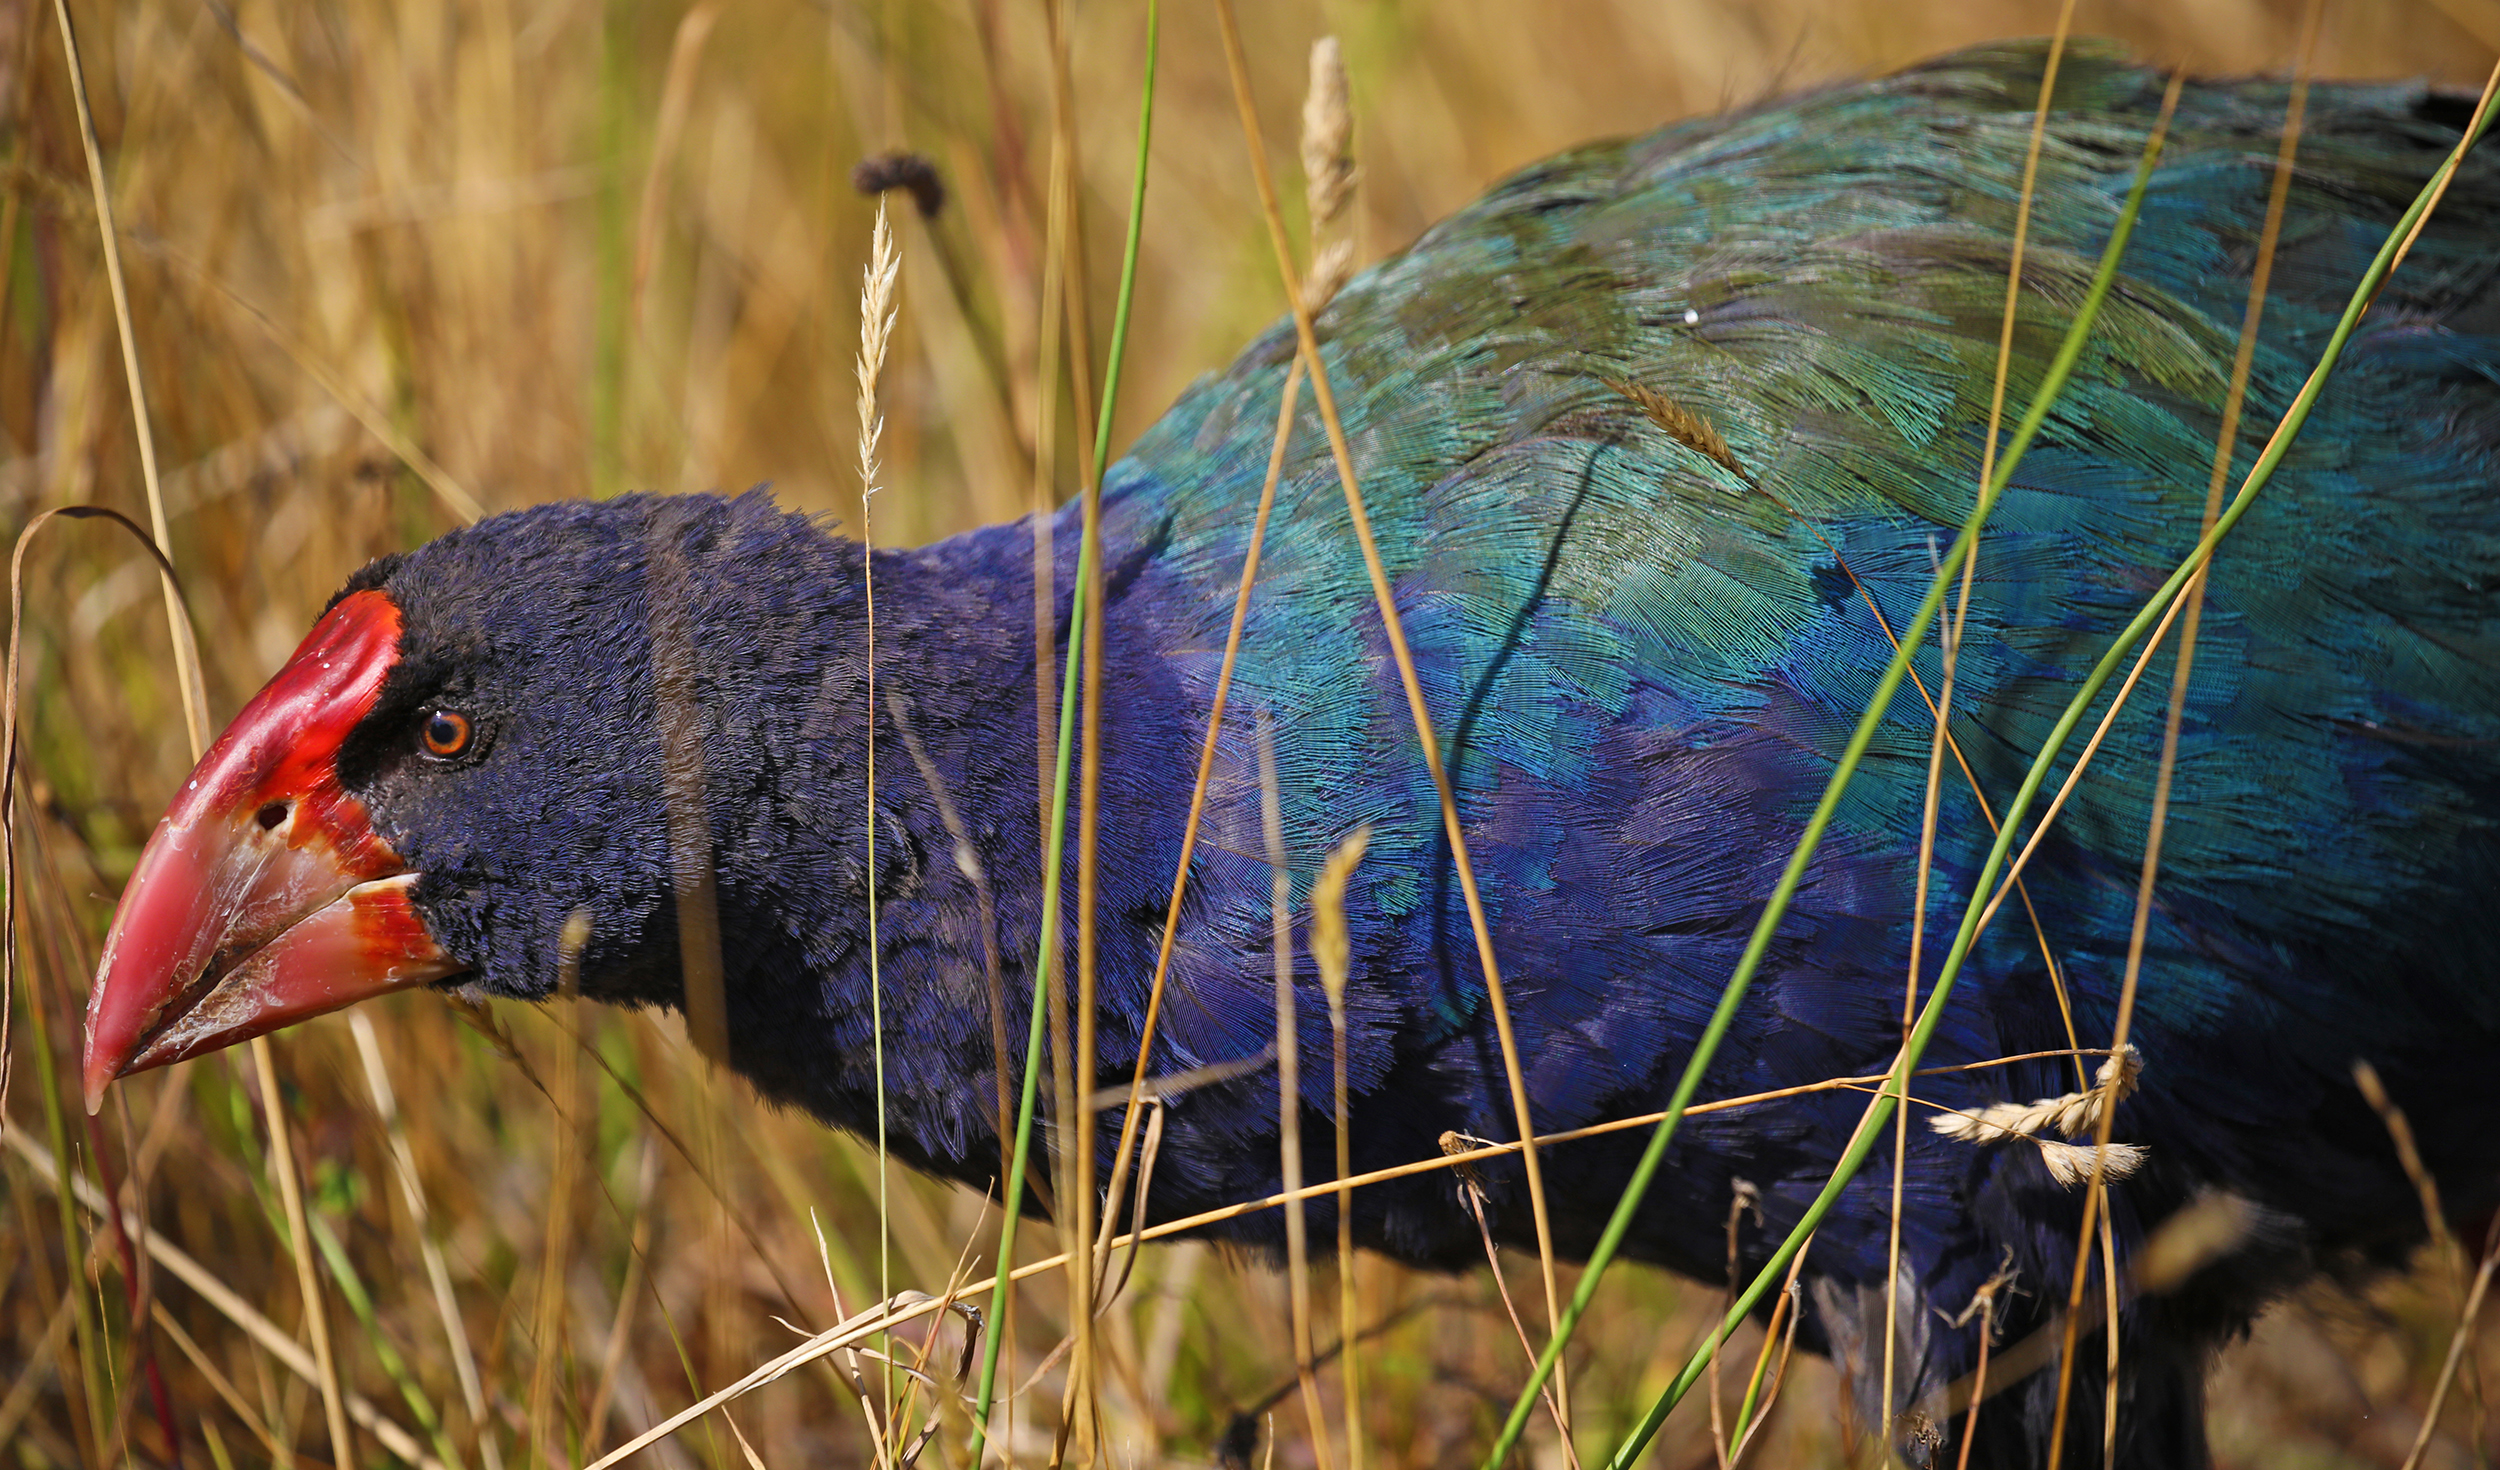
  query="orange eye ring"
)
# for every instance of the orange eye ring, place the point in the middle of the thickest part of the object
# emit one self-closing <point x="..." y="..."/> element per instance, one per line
<point x="445" y="732"/>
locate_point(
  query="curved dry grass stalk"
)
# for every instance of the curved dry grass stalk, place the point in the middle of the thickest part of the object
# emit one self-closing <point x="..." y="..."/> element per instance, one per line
<point x="420" y="1223"/>
<point x="1289" y="1088"/>
<point x="195" y="723"/>
<point x="2458" y="1344"/>
<point x="87" y="1336"/>
<point x="1949" y="638"/>
<point x="862" y="1325"/>
<point x="271" y="1338"/>
<point x="876" y="333"/>
<point x="1393" y="626"/>
<point x="1332" y="955"/>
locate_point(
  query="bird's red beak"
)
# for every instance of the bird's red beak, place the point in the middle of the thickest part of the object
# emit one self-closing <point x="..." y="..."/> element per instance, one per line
<point x="264" y="897"/>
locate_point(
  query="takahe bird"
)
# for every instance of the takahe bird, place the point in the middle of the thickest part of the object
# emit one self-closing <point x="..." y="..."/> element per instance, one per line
<point x="1642" y="432"/>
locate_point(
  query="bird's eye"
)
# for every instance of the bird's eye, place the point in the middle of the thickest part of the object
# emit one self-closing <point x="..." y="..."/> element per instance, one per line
<point x="446" y="732"/>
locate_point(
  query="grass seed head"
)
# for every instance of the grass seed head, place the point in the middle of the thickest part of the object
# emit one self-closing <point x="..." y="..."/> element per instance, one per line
<point x="1328" y="172"/>
<point x="1331" y="947"/>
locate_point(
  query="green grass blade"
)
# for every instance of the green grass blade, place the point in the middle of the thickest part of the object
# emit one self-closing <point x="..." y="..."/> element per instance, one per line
<point x="1011" y="1201"/>
<point x="360" y="1301"/>
<point x="1619" y="1224"/>
<point x="2153" y="610"/>
<point x="1128" y="255"/>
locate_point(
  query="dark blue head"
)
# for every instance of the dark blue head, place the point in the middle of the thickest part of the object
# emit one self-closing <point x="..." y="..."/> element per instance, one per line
<point x="474" y="747"/>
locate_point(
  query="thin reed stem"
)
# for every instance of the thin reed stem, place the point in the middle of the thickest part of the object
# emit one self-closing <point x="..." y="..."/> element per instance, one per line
<point x="1756" y="1407"/>
<point x="1393" y="626"/>
<point x="143" y="424"/>
<point x="1979" y="1375"/>
<point x="88" y="1336"/>
<point x="544" y="1430"/>
<point x="2163" y="603"/>
<point x="299" y="1232"/>
<point x="1332" y="954"/>
<point x="1076" y="309"/>
<point x="429" y="1250"/>
<point x="1949" y="635"/>
<point x="1289" y="1087"/>
<point x="2226" y="442"/>
<point x="876" y="329"/>
<point x="1073" y="1161"/>
<point x="842" y="1335"/>
<point x="1206" y="771"/>
<point x="2458" y="1342"/>
<point x="195" y="723"/>
<point x="56" y="1164"/>
<point x="1058" y="749"/>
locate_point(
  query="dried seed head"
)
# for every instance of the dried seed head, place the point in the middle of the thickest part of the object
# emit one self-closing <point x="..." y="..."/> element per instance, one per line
<point x="574" y="938"/>
<point x="1331" y="948"/>
<point x="2070" y="1164"/>
<point x="1327" y="135"/>
<point x="879" y="172"/>
<point x="876" y="330"/>
<point x="1332" y="265"/>
<point x="2073" y="1114"/>
<point x="1328" y="173"/>
<point x="2211" y="1226"/>
<point x="1682" y="425"/>
<point x="1470" y="1183"/>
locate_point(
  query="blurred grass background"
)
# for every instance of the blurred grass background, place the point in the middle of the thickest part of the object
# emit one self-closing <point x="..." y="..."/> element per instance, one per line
<point x="584" y="246"/>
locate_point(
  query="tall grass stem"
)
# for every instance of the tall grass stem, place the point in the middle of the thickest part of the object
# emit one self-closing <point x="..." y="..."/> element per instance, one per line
<point x="1879" y="704"/>
<point x="2157" y="608"/>
<point x="1393" y="626"/>
<point x="1011" y="1201"/>
<point x="1949" y="636"/>
<point x="2226" y="443"/>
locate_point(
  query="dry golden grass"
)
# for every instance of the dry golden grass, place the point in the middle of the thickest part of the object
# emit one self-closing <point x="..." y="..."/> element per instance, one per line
<point x="386" y="258"/>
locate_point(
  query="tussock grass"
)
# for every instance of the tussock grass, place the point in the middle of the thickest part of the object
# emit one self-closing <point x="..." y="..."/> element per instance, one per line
<point x="386" y="264"/>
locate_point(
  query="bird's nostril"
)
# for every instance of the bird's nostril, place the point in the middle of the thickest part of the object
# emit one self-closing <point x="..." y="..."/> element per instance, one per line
<point x="271" y="815"/>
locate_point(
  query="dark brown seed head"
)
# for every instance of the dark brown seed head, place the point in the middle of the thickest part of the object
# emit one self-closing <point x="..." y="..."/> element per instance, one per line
<point x="879" y="172"/>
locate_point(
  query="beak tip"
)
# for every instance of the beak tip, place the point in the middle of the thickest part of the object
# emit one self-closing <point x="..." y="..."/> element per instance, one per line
<point x="101" y="1059"/>
<point x="230" y="927"/>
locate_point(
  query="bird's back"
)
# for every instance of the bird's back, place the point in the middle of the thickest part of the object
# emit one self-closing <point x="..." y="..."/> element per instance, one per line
<point x="1644" y="433"/>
